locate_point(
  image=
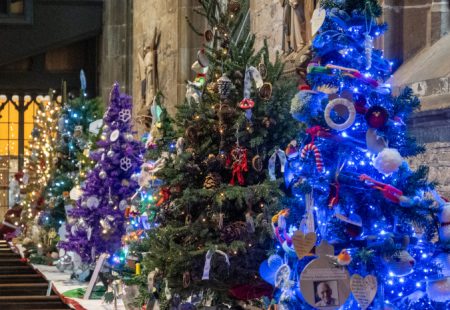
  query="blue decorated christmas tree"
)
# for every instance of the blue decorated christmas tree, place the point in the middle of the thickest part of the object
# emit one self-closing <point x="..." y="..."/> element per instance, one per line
<point x="365" y="231"/>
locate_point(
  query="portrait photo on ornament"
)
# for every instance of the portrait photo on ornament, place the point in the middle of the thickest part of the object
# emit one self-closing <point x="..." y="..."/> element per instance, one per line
<point x="326" y="293"/>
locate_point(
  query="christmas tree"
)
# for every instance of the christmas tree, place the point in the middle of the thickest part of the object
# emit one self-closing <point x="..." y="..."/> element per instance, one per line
<point x="142" y="212"/>
<point x="214" y="225"/>
<point x="39" y="163"/>
<point x="97" y="223"/>
<point x="367" y="234"/>
<point x="72" y="141"/>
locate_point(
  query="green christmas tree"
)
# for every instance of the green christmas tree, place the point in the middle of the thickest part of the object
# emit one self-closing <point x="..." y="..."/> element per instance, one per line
<point x="215" y="225"/>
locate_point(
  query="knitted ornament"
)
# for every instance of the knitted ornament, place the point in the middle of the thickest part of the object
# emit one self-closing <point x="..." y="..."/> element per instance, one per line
<point x="306" y="103"/>
<point x="388" y="161"/>
<point x="225" y="86"/>
<point x="317" y="156"/>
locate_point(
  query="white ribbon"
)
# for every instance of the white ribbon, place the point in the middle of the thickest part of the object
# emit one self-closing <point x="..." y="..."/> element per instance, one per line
<point x="251" y="73"/>
<point x="282" y="156"/>
<point x="208" y="257"/>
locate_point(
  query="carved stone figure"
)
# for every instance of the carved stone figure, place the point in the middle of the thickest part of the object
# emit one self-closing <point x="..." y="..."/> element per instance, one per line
<point x="296" y="24"/>
<point x="148" y="70"/>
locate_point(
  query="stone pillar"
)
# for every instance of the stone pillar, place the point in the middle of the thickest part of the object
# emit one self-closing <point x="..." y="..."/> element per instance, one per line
<point x="440" y="19"/>
<point x="176" y="52"/>
<point x="116" y="46"/>
<point x="408" y="25"/>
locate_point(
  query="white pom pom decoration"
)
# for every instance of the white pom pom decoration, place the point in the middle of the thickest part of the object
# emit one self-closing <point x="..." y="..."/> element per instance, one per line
<point x="388" y="161"/>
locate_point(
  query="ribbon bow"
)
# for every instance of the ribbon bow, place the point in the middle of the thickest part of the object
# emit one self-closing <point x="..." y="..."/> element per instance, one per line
<point x="282" y="157"/>
<point x="208" y="258"/>
<point x="239" y="165"/>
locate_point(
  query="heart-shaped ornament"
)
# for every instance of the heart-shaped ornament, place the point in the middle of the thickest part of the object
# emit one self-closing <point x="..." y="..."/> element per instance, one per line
<point x="303" y="244"/>
<point x="364" y="289"/>
<point x="317" y="20"/>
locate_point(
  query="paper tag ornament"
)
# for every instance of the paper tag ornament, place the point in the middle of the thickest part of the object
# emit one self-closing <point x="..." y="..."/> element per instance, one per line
<point x="323" y="283"/>
<point x="114" y="135"/>
<point x="317" y="20"/>
<point x="303" y="244"/>
<point x="364" y="289"/>
<point x="75" y="193"/>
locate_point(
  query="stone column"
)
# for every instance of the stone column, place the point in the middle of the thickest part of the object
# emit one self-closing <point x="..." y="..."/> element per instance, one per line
<point x="116" y="46"/>
<point x="413" y="25"/>
<point x="177" y="49"/>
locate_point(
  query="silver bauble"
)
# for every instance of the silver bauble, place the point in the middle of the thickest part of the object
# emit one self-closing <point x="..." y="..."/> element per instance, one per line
<point x="110" y="154"/>
<point x="102" y="174"/>
<point x="129" y="137"/>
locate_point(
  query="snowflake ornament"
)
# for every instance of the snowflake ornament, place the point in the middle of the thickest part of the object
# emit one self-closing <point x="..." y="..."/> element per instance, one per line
<point x="124" y="115"/>
<point x="125" y="163"/>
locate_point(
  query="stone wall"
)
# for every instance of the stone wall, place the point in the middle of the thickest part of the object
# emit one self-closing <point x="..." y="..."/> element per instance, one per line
<point x="116" y="47"/>
<point x="437" y="158"/>
<point x="176" y="51"/>
<point x="266" y="22"/>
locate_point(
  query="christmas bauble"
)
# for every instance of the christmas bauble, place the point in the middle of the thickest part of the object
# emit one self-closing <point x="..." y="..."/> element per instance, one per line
<point x="438" y="290"/>
<point x="388" y="161"/>
<point x="102" y="174"/>
<point x="444" y="218"/>
<point x="376" y="116"/>
<point x="110" y="154"/>
<point x="129" y="137"/>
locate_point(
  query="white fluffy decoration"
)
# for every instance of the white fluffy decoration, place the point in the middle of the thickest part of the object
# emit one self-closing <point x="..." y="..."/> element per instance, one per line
<point x="388" y="161"/>
<point x="444" y="218"/>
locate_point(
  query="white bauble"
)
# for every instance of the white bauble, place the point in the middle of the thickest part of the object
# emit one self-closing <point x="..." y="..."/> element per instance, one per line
<point x="388" y="161"/>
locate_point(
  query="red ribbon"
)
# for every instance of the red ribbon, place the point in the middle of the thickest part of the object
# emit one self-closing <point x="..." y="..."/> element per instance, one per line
<point x="165" y="195"/>
<point x="239" y="165"/>
<point x="389" y="192"/>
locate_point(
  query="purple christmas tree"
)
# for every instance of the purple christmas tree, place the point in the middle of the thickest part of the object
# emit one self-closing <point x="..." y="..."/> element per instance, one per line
<point x="97" y="223"/>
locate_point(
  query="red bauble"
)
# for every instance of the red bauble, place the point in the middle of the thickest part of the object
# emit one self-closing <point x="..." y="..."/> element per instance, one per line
<point x="376" y="116"/>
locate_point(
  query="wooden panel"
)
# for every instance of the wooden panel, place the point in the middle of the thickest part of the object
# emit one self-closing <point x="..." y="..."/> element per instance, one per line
<point x="67" y="58"/>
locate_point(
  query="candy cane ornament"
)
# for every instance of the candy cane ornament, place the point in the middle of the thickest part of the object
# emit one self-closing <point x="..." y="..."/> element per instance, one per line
<point x="317" y="156"/>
